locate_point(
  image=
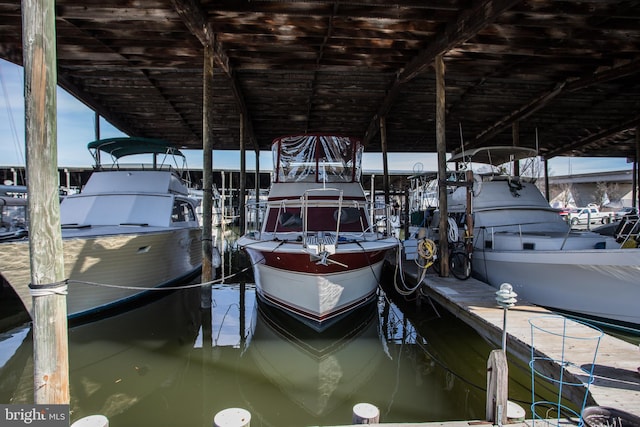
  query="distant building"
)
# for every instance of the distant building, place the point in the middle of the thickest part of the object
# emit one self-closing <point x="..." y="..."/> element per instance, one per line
<point x="611" y="190"/>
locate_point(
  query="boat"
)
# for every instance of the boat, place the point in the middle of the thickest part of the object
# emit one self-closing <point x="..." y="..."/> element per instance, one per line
<point x="218" y="218"/>
<point x="316" y="254"/>
<point x="13" y="212"/>
<point x="518" y="238"/>
<point x="131" y="228"/>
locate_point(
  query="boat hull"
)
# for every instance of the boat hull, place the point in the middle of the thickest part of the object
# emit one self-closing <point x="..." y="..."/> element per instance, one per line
<point x="597" y="284"/>
<point x="106" y="271"/>
<point x="317" y="294"/>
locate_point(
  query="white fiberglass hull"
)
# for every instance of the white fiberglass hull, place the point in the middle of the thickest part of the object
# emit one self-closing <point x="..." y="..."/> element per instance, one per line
<point x="600" y="284"/>
<point x="292" y="280"/>
<point x="108" y="270"/>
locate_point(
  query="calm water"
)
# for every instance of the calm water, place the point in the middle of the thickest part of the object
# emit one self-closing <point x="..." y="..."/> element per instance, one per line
<point x="181" y="359"/>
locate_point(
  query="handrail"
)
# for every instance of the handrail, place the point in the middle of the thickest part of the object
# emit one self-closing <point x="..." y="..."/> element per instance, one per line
<point x="304" y="200"/>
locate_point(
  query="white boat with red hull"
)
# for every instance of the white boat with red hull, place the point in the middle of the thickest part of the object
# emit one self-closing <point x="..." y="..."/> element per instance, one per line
<point x="317" y="254"/>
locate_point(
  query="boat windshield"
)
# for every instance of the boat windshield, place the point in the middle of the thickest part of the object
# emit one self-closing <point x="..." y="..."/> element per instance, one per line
<point x="317" y="158"/>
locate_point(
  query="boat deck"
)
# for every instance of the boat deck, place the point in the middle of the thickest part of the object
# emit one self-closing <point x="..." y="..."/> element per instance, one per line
<point x="616" y="377"/>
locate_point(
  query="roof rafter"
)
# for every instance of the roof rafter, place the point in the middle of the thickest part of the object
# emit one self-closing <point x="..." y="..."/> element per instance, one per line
<point x="195" y="19"/>
<point x="465" y="26"/>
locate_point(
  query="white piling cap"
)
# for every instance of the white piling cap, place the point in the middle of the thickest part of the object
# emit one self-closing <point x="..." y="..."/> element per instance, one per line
<point x="92" y="421"/>
<point x="232" y="417"/>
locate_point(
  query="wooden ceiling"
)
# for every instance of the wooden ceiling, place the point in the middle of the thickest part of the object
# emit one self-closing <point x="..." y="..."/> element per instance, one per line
<point x="566" y="73"/>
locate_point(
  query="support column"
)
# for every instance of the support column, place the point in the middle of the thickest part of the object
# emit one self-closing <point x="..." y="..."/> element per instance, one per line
<point x="385" y="162"/>
<point x="48" y="285"/>
<point x="547" y="194"/>
<point x="243" y="178"/>
<point x="207" y="165"/>
<point x="515" y="137"/>
<point x="257" y="177"/>
<point x="636" y="176"/>
<point x="441" y="146"/>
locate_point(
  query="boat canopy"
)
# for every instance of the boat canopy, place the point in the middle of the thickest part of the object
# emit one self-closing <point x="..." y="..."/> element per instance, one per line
<point x="317" y="158"/>
<point x="495" y="155"/>
<point x="128" y="146"/>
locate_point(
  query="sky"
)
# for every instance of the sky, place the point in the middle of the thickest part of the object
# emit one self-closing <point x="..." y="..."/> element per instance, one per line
<point x="76" y="129"/>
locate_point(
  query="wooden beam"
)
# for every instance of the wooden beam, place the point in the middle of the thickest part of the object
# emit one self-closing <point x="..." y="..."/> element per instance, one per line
<point x="48" y="285"/>
<point x="566" y="148"/>
<point x="194" y="17"/>
<point x="468" y="23"/>
<point x="636" y="177"/>
<point x="207" y="164"/>
<point x="243" y="178"/>
<point x="385" y="162"/>
<point x="544" y="98"/>
<point x="441" y="148"/>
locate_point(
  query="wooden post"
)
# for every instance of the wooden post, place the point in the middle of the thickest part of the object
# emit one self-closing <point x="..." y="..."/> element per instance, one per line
<point x="546" y="179"/>
<point x="636" y="175"/>
<point x="385" y="162"/>
<point x="515" y="136"/>
<point x="243" y="178"/>
<point x="257" y="178"/>
<point x="96" y="129"/>
<point x="497" y="387"/>
<point x="372" y="211"/>
<point x="442" y="166"/>
<point x="468" y="212"/>
<point x="207" y="165"/>
<point x="50" y="340"/>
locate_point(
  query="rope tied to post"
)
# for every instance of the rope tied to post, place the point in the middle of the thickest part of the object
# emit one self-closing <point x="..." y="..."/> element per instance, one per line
<point x="46" y="289"/>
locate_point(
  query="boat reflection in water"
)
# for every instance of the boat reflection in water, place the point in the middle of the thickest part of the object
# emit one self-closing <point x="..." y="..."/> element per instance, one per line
<point x="181" y="359"/>
<point x="317" y="371"/>
<point x="115" y="364"/>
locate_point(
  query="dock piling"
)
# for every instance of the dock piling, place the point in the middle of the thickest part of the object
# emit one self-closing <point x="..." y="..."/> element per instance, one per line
<point x="232" y="417"/>
<point x="365" y="413"/>
<point x="92" y="421"/>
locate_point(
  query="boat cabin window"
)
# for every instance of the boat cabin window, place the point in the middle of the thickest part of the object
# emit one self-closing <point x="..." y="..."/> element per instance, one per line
<point x="13" y="218"/>
<point x="320" y="218"/>
<point x="317" y="158"/>
<point x="182" y="211"/>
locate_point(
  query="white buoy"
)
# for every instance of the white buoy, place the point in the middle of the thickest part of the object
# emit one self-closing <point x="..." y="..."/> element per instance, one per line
<point x="365" y="413"/>
<point x="92" y="421"/>
<point x="232" y="417"/>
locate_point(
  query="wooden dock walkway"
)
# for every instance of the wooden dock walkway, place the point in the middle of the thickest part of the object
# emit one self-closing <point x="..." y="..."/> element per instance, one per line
<point x="616" y="379"/>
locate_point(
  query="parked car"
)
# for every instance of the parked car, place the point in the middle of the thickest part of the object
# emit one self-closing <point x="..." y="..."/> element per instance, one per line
<point x="617" y="216"/>
<point x="588" y="215"/>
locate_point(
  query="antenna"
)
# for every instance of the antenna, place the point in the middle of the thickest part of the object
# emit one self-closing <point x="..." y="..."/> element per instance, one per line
<point x="462" y="144"/>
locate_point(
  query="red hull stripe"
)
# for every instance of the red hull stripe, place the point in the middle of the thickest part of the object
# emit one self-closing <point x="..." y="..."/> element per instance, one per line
<point x="305" y="263"/>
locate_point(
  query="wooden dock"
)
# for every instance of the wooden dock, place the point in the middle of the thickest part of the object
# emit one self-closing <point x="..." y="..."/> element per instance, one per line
<point x="615" y="371"/>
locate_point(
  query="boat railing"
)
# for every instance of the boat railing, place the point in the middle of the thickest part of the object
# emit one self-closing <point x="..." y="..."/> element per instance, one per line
<point x="519" y="228"/>
<point x="313" y="215"/>
<point x="627" y="233"/>
<point x="255" y="213"/>
<point x="308" y="241"/>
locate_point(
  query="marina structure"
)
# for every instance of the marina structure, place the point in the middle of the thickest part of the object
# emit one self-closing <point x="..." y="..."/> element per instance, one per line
<point x="615" y="366"/>
<point x="396" y="73"/>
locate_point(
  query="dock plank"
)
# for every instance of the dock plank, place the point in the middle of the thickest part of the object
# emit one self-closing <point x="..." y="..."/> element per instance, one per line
<point x="616" y="379"/>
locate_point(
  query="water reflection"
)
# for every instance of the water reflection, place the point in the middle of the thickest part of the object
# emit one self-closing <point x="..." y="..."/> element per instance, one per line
<point x="183" y="358"/>
<point x="316" y="372"/>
